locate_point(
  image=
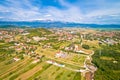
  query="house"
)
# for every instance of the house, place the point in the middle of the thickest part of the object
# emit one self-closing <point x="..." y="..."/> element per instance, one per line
<point x="36" y="60"/>
<point x="60" y="65"/>
<point x="25" y="33"/>
<point x="60" y="55"/>
<point x="76" y="47"/>
<point x="50" y="61"/>
<point x="36" y="38"/>
<point x="55" y="63"/>
<point x="16" y="59"/>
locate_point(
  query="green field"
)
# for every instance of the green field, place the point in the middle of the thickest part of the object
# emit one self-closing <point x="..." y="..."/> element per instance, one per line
<point x="24" y="69"/>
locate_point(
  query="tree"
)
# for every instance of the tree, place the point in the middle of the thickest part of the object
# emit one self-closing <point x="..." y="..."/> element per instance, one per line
<point x="85" y="46"/>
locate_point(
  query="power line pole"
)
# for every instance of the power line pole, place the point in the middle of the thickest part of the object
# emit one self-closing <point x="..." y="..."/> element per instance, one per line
<point x="100" y="52"/>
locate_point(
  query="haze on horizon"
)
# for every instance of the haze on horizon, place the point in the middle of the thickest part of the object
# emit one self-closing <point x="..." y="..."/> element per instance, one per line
<point x="81" y="11"/>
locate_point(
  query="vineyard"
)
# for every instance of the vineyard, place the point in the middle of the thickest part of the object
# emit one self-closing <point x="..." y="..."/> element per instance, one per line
<point x="24" y="69"/>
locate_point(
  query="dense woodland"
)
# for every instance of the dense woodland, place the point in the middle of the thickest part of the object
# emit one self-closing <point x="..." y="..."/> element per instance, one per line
<point x="107" y="61"/>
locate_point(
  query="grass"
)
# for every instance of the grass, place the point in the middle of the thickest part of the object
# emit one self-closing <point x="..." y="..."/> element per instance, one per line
<point x="46" y="52"/>
<point x="31" y="72"/>
<point x="14" y="69"/>
<point x="55" y="73"/>
<point x="6" y="68"/>
<point x="77" y="76"/>
<point x="93" y="43"/>
<point x="106" y="58"/>
<point x="24" y="72"/>
<point x="76" y="59"/>
<point x="2" y="62"/>
<point x="47" y="74"/>
<point x="67" y="75"/>
<point x="44" y="67"/>
<point x="79" y="59"/>
<point x="51" y="72"/>
<point x="21" y="71"/>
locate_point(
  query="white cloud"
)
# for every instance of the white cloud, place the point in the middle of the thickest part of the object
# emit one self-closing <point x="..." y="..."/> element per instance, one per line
<point x="48" y="15"/>
<point x="71" y="13"/>
<point x="1" y="17"/>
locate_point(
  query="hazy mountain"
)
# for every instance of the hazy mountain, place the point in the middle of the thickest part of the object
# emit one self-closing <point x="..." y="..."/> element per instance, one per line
<point x="50" y="24"/>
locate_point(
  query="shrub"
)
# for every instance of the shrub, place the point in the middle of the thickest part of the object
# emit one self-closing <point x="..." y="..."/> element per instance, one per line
<point x="85" y="46"/>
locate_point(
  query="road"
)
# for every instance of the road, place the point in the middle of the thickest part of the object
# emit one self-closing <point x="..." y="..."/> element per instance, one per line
<point x="90" y="67"/>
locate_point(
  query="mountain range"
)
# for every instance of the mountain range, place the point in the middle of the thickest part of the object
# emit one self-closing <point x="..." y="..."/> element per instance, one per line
<point x="53" y="24"/>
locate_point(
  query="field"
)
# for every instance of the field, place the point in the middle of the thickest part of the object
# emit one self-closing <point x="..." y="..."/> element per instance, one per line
<point x="24" y="69"/>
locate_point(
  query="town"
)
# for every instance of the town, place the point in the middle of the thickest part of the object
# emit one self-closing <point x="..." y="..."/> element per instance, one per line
<point x="58" y="53"/>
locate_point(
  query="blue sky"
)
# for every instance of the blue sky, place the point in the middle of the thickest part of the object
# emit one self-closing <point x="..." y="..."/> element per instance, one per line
<point x="81" y="11"/>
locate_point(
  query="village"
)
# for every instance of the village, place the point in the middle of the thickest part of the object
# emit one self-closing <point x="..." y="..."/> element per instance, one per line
<point x="68" y="49"/>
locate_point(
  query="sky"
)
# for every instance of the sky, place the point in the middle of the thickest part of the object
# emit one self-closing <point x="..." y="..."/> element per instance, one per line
<point x="80" y="11"/>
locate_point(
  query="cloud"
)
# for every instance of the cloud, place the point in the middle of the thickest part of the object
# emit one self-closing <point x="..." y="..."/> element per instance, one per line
<point x="69" y="14"/>
<point x="48" y="15"/>
<point x="83" y="11"/>
<point x="1" y="17"/>
<point x="32" y="12"/>
<point x="18" y="12"/>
